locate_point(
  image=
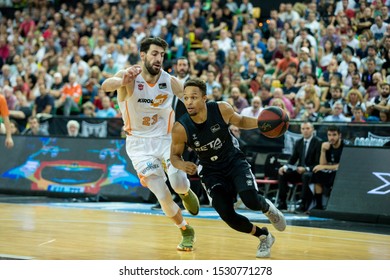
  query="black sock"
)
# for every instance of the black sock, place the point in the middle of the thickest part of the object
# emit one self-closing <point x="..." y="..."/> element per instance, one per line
<point x="319" y="200"/>
<point x="260" y="231"/>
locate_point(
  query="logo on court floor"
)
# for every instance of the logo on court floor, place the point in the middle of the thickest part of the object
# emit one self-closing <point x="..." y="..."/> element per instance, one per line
<point x="385" y="188"/>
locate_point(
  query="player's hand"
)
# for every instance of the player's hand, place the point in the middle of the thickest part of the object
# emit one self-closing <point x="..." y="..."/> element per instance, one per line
<point x="189" y="167"/>
<point x="326" y="146"/>
<point x="318" y="168"/>
<point x="130" y="74"/>
<point x="9" y="143"/>
<point x="281" y="170"/>
<point x="301" y="169"/>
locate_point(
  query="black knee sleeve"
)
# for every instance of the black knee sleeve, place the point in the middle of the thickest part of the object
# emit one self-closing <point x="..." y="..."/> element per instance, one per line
<point x="224" y="205"/>
<point x="253" y="200"/>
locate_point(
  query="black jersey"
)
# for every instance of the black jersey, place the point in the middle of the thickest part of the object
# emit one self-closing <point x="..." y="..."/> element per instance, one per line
<point x="212" y="140"/>
<point x="333" y="155"/>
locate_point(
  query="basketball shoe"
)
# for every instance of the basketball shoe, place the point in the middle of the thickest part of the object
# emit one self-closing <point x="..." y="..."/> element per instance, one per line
<point x="190" y="202"/>
<point x="276" y="217"/>
<point x="187" y="240"/>
<point x="264" y="248"/>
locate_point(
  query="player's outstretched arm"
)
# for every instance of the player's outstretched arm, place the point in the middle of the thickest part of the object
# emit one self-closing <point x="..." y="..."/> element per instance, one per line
<point x="122" y="78"/>
<point x="179" y="139"/>
<point x="231" y="117"/>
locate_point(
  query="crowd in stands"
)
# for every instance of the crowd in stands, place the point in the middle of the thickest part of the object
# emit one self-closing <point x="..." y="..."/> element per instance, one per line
<point x="321" y="60"/>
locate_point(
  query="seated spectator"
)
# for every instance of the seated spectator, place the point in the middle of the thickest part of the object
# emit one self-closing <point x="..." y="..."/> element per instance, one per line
<point x="310" y="95"/>
<point x="107" y="111"/>
<point x="110" y="68"/>
<point x="289" y="88"/>
<point x="325" y="54"/>
<point x="44" y="103"/>
<point x="379" y="28"/>
<point x="358" y="115"/>
<point x="337" y="114"/>
<point x="10" y="97"/>
<point x="284" y="63"/>
<point x="354" y="98"/>
<point x="325" y="173"/>
<point x="384" y="116"/>
<point x="352" y="69"/>
<point x="336" y="96"/>
<point x="22" y="111"/>
<point x="88" y="110"/>
<point x="331" y="70"/>
<point x="14" y="127"/>
<point x="305" y="156"/>
<point x="380" y="102"/>
<point x="372" y="53"/>
<point x="308" y="113"/>
<point x="73" y="128"/>
<point x="237" y="101"/>
<point x="91" y="87"/>
<point x="71" y="96"/>
<point x="356" y="84"/>
<point x="254" y="110"/>
<point x="33" y="128"/>
<point x="211" y="82"/>
<point x="278" y="93"/>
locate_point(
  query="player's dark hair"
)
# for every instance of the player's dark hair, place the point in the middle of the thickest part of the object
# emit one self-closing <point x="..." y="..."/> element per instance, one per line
<point x="196" y="82"/>
<point x="334" y="128"/>
<point x="145" y="43"/>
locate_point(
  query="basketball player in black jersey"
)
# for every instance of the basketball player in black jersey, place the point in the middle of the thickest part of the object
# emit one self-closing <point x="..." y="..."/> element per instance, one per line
<point x="222" y="168"/>
<point x="325" y="172"/>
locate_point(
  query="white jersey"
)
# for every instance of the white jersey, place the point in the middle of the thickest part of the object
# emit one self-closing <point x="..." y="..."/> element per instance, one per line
<point x="148" y="112"/>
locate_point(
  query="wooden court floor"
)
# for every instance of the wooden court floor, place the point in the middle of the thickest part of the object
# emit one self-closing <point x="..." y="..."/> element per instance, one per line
<point x="49" y="233"/>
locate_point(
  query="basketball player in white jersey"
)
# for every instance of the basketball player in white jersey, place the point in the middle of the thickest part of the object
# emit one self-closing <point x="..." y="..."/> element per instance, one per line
<point x="145" y="95"/>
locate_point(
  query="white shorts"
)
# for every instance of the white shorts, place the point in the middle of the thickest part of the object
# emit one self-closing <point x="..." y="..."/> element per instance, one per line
<point x="150" y="156"/>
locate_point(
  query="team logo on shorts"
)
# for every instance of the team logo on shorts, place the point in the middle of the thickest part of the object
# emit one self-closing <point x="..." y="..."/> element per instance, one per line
<point x="140" y="86"/>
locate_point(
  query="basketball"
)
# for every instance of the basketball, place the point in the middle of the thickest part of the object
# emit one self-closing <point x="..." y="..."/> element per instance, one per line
<point x="273" y="122"/>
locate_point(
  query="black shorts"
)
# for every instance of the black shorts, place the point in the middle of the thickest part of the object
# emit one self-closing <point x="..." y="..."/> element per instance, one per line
<point x="236" y="178"/>
<point x="326" y="179"/>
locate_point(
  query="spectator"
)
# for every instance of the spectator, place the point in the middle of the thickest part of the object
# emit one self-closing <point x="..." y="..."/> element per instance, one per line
<point x="379" y="103"/>
<point x="71" y="96"/>
<point x="73" y="128"/>
<point x="354" y="99"/>
<point x="278" y="94"/>
<point x="34" y="128"/>
<point x="284" y="63"/>
<point x="379" y="28"/>
<point x="22" y="111"/>
<point x="254" y="110"/>
<point x="88" y="110"/>
<point x="337" y="114"/>
<point x="44" y="103"/>
<point x="358" y="115"/>
<point x="308" y="113"/>
<point x="14" y="128"/>
<point x="236" y="99"/>
<point x="107" y="111"/>
<point x="325" y="54"/>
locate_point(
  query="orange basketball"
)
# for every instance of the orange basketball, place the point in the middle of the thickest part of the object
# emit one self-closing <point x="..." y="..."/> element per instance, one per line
<point x="273" y="122"/>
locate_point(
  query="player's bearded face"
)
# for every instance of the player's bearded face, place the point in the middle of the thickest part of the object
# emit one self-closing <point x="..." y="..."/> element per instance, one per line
<point x="152" y="67"/>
